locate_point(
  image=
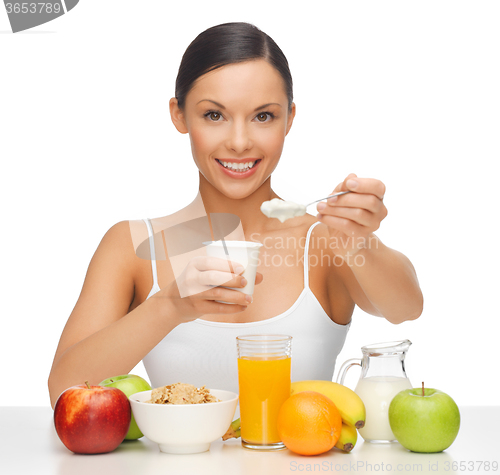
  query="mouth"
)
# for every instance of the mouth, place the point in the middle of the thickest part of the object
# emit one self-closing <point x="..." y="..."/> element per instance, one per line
<point x="240" y="169"/>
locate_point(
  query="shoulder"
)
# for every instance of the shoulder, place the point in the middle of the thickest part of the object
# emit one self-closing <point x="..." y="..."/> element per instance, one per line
<point x="298" y="227"/>
<point x="319" y="241"/>
<point x="329" y="263"/>
<point x="119" y="244"/>
<point x="120" y="231"/>
<point x="120" y="235"/>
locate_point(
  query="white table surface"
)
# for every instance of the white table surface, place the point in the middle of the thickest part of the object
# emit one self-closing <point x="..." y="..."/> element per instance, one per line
<point x="29" y="445"/>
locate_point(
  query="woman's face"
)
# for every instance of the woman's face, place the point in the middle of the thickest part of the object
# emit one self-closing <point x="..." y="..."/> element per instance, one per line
<point x="237" y="119"/>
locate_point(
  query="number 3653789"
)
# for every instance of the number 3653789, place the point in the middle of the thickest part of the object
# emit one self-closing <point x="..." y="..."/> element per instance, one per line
<point x="33" y="7"/>
<point x="476" y="466"/>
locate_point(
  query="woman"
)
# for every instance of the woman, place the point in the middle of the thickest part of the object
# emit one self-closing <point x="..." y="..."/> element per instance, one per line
<point x="234" y="99"/>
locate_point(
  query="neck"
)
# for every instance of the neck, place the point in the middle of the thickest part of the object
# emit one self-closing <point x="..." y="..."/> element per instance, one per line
<point x="247" y="209"/>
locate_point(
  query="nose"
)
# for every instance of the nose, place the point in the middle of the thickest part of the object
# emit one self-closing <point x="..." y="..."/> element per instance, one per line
<point x="239" y="139"/>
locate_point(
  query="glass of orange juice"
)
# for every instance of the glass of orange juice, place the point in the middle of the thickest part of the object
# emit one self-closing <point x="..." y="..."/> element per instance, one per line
<point x="264" y="364"/>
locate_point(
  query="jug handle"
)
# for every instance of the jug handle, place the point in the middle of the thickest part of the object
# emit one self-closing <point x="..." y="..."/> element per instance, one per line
<point x="343" y="369"/>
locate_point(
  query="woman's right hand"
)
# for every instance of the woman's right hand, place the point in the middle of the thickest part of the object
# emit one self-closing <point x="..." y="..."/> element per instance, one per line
<point x="199" y="288"/>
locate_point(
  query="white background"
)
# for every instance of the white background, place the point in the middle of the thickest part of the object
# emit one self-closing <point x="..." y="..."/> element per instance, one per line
<point x="406" y="92"/>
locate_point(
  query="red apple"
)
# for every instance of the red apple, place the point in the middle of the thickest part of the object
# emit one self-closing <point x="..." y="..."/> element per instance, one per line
<point x="92" y="419"/>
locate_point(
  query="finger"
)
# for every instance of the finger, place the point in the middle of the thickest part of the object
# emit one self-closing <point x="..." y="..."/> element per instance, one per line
<point x="223" y="308"/>
<point x="338" y="188"/>
<point x="227" y="295"/>
<point x="342" y="186"/>
<point x="366" y="185"/>
<point x="214" y="278"/>
<point x="347" y="226"/>
<point x="204" y="263"/>
<point x="351" y="175"/>
<point x="368" y="202"/>
<point x="357" y="215"/>
<point x="258" y="278"/>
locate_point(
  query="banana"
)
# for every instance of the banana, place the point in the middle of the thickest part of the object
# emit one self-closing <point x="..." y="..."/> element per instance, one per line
<point x="348" y="438"/>
<point x="234" y="430"/>
<point x="348" y="403"/>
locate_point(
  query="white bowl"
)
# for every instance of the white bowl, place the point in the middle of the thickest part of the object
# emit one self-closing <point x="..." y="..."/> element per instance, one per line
<point x="184" y="428"/>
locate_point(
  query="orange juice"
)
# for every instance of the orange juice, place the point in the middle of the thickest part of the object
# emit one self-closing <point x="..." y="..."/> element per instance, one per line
<point x="264" y="385"/>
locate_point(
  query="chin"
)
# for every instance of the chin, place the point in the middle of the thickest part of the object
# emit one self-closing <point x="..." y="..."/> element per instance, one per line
<point x="235" y="190"/>
<point x="238" y="192"/>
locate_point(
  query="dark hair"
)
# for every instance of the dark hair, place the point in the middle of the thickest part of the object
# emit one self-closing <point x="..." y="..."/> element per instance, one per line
<point x="227" y="44"/>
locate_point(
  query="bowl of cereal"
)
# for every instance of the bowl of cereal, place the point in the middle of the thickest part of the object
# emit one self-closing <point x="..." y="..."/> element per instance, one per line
<point x="183" y="419"/>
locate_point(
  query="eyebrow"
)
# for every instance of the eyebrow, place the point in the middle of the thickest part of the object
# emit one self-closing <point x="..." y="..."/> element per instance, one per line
<point x="255" y="110"/>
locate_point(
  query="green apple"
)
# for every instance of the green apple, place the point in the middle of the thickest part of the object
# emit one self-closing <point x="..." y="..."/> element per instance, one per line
<point x="129" y="384"/>
<point x="424" y="423"/>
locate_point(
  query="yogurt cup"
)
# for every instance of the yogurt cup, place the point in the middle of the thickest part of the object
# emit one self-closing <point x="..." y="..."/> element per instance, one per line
<point x="245" y="253"/>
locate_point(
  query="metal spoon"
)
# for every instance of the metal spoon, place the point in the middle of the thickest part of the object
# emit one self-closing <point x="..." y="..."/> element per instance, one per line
<point x="331" y="196"/>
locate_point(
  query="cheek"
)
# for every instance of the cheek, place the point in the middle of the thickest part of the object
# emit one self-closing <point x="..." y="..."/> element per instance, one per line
<point x="202" y="141"/>
<point x="272" y="142"/>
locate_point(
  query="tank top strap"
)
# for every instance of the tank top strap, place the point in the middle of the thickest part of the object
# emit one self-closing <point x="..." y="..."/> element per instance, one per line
<point x="306" y="254"/>
<point x="155" y="287"/>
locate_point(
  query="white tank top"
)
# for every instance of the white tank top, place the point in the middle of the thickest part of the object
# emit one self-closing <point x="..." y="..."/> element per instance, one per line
<point x="203" y="353"/>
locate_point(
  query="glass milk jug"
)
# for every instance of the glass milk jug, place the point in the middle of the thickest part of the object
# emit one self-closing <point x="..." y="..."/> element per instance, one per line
<point x="382" y="377"/>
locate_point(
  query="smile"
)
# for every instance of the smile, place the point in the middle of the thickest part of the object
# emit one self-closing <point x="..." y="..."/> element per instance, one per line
<point x="241" y="167"/>
<point x="239" y="170"/>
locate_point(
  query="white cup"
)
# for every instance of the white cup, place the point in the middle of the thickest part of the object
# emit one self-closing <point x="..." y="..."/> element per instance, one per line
<point x="245" y="253"/>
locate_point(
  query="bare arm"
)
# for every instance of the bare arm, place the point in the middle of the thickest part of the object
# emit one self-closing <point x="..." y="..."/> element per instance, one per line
<point x="101" y="339"/>
<point x="383" y="282"/>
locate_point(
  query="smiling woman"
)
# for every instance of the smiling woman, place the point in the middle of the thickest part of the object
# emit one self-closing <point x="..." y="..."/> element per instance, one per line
<point x="253" y="78"/>
<point x="180" y="312"/>
<point x="237" y="117"/>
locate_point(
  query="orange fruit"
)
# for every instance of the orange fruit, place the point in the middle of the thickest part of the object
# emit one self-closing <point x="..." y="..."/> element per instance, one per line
<point x="309" y="423"/>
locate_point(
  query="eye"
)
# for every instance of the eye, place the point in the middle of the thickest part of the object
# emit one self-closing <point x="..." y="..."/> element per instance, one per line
<point x="263" y="116"/>
<point x="214" y="116"/>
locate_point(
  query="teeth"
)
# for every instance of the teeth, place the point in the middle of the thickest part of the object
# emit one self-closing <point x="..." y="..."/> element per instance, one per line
<point x="238" y="166"/>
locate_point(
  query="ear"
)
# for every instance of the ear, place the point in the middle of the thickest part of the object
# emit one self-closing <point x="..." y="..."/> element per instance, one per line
<point x="177" y="116"/>
<point x="291" y="116"/>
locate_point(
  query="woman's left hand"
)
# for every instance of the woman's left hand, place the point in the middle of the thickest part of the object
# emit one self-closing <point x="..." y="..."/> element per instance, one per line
<point x="353" y="217"/>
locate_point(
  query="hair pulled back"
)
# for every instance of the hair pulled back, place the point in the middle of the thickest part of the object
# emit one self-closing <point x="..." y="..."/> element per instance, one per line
<point x="224" y="44"/>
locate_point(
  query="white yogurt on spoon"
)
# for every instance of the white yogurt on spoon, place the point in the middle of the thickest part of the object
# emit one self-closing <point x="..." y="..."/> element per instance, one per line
<point x="282" y="210"/>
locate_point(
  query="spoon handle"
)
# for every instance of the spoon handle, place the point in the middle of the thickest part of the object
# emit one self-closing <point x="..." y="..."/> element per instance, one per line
<point x="331" y="196"/>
